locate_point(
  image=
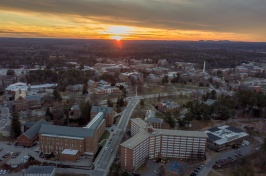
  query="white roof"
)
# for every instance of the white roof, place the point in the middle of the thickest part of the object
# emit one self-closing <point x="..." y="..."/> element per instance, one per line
<point x="17" y="86"/>
<point x="226" y="134"/>
<point x="69" y="152"/>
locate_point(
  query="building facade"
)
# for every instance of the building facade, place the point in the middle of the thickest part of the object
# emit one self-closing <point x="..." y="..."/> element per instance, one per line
<point x="23" y="103"/>
<point x="108" y="112"/>
<point x="148" y="143"/>
<point x="30" y="135"/>
<point x="223" y="137"/>
<point x="55" y="139"/>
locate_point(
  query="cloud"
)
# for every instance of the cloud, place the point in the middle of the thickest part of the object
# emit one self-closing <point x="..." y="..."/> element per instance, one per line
<point x="244" y="16"/>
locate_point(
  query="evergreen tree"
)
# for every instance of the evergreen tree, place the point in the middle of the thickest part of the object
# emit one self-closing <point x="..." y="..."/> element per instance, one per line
<point x="109" y="103"/>
<point x="85" y="109"/>
<point x="121" y="102"/>
<point x="213" y="95"/>
<point x="165" y="79"/>
<point x="48" y="112"/>
<point x="142" y="103"/>
<point x="10" y="73"/>
<point x="169" y="119"/>
<point x="66" y="112"/>
<point x="85" y="89"/>
<point x="15" y="125"/>
<point x="124" y="92"/>
<point x="57" y="95"/>
<point x="118" y="102"/>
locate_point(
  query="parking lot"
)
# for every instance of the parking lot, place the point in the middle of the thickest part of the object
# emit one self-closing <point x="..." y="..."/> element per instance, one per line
<point x="14" y="155"/>
<point x="196" y="170"/>
<point x="228" y="160"/>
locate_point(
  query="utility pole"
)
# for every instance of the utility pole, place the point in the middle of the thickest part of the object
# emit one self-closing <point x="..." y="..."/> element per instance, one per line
<point x="136" y="91"/>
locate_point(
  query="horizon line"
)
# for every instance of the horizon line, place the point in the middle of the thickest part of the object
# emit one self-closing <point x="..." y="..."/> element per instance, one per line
<point x="70" y="38"/>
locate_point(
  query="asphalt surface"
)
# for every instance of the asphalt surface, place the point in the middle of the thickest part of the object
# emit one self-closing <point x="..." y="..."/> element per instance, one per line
<point x="209" y="163"/>
<point x="108" y="152"/>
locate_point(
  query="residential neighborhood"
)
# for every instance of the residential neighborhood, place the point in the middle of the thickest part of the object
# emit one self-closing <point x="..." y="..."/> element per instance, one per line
<point x="131" y="117"/>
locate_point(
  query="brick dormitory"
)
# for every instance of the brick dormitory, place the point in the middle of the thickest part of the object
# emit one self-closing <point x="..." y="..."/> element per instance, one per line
<point x="148" y="142"/>
<point x="55" y="139"/>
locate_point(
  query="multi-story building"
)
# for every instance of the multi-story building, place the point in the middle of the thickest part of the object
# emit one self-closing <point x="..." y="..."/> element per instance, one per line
<point x="55" y="139"/>
<point x="152" y="120"/>
<point x="30" y="134"/>
<point x="148" y="142"/>
<point x="108" y="112"/>
<point x="23" y="103"/>
<point x="224" y="136"/>
<point x="136" y="76"/>
<point x="168" y="105"/>
<point x="106" y="89"/>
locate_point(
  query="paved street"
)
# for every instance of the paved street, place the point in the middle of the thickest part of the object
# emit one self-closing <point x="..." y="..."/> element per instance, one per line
<point x="209" y="163"/>
<point x="108" y="152"/>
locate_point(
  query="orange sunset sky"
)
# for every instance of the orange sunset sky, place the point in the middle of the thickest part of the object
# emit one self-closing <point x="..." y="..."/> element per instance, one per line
<point x="237" y="20"/>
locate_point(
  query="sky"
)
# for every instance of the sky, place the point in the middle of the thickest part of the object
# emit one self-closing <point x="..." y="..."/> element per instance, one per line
<point x="236" y="20"/>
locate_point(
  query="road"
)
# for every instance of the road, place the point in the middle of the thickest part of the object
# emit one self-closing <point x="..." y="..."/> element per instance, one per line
<point x="244" y="150"/>
<point x="209" y="163"/>
<point x="184" y="92"/>
<point x="108" y="152"/>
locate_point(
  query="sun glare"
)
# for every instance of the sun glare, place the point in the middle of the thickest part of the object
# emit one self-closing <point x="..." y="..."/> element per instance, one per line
<point x="118" y="32"/>
<point x="116" y="37"/>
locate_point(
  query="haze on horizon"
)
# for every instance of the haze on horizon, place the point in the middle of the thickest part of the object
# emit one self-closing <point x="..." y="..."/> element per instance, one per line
<point x="236" y="20"/>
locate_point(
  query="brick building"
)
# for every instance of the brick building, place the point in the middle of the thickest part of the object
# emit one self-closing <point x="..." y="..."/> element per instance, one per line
<point x="69" y="155"/>
<point x="107" y="111"/>
<point x="54" y="139"/>
<point x="148" y="142"/>
<point x="168" y="105"/>
<point x="23" y="102"/>
<point x="30" y="135"/>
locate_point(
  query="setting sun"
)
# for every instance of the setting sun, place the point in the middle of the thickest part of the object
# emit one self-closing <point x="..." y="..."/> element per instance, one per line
<point x="119" y="32"/>
<point x="116" y="37"/>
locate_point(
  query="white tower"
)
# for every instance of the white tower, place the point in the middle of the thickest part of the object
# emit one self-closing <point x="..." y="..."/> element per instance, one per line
<point x="204" y="65"/>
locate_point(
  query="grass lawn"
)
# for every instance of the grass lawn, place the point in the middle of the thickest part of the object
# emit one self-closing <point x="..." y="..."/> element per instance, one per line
<point x="105" y="135"/>
<point x="198" y="125"/>
<point x="153" y="90"/>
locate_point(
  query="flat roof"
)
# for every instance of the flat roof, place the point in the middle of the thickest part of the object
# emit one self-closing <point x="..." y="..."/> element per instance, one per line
<point x="40" y="170"/>
<point x="182" y="133"/>
<point x="135" y="140"/>
<point x="95" y="122"/>
<point x="69" y="152"/>
<point x="143" y="134"/>
<point x="101" y="109"/>
<point x="139" y="122"/>
<point x="223" y="134"/>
